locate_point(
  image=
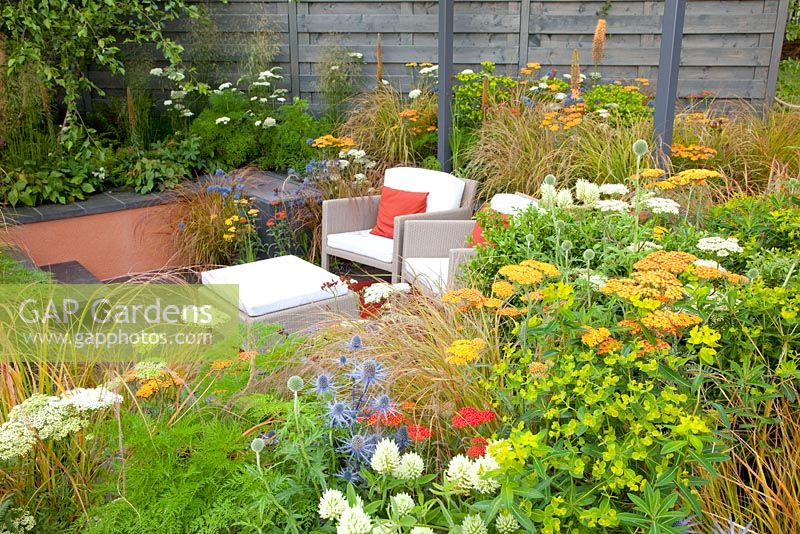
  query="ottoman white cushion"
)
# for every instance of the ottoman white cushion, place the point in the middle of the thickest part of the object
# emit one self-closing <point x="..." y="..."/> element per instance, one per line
<point x="276" y="284"/>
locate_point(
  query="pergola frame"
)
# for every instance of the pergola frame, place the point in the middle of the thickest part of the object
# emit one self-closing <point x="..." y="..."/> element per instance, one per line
<point x="666" y="88"/>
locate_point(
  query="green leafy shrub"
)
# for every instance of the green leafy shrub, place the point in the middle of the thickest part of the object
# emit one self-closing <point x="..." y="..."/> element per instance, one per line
<point x="624" y="104"/>
<point x="468" y="108"/>
<point x="161" y="167"/>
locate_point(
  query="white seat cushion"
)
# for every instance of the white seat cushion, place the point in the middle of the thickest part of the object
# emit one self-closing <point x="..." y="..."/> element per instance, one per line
<point x="365" y="244"/>
<point x="430" y="272"/>
<point x="276" y="284"/>
<point x="444" y="190"/>
<point x="509" y="204"/>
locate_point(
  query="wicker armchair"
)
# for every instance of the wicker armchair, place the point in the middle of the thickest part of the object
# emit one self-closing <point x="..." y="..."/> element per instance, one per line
<point x="346" y="224"/>
<point x="435" y="253"/>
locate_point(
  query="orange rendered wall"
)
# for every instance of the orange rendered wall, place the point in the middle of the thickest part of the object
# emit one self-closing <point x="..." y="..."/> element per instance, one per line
<point x="109" y="244"/>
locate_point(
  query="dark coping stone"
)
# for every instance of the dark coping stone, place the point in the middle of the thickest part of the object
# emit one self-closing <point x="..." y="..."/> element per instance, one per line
<point x="132" y="199"/>
<point x="70" y="272"/>
<point x="102" y="203"/>
<point x="52" y="212"/>
<point x="21" y="215"/>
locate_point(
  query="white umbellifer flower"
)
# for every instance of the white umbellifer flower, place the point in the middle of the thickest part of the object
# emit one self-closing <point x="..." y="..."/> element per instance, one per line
<point x="354" y="521"/>
<point x="332" y="504"/>
<point x="568" y="76"/>
<point x="460" y="473"/>
<point x="720" y="246"/>
<point x="543" y="85"/>
<point x="603" y="113"/>
<point x="587" y="192"/>
<point x="564" y="198"/>
<point x="267" y="74"/>
<point x="223" y="120"/>
<point x="49" y="416"/>
<point x="643" y="245"/>
<point x="595" y="75"/>
<point x="560" y="96"/>
<point x="253" y="98"/>
<point x="343" y="163"/>
<point x="432" y="71"/>
<point x="269" y="122"/>
<point x="473" y="524"/>
<point x="226" y="85"/>
<point x="386" y="458"/>
<point x="612" y="205"/>
<point x="167" y="103"/>
<point x="549" y="195"/>
<point x="16" y="440"/>
<point x="334" y="67"/>
<point x="257" y="124"/>
<point x="662" y="205"/>
<point x="356" y="55"/>
<point x="709" y="263"/>
<point x="360" y="177"/>
<point x="156" y="72"/>
<point x="281" y="99"/>
<point x="506" y="523"/>
<point x="467" y="71"/>
<point x="186" y="113"/>
<point x="24" y="522"/>
<point x="482" y="479"/>
<point x="421" y="530"/>
<point x="263" y="100"/>
<point x="93" y="399"/>
<point x="402" y="504"/>
<point x="148" y="369"/>
<point x="385" y="82"/>
<point x="177" y="95"/>
<point x="414" y="93"/>
<point x="376" y="293"/>
<point x="614" y="189"/>
<point x="261" y="83"/>
<point x="411" y="467"/>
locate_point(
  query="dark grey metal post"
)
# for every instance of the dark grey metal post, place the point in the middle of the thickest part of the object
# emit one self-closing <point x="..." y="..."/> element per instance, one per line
<point x="668" y="66"/>
<point x="445" y="122"/>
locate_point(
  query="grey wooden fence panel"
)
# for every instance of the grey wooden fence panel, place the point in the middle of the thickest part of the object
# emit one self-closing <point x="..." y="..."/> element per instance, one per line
<point x="730" y="47"/>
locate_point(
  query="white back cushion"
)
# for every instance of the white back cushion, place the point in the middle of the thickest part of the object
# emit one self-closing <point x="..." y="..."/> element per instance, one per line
<point x="509" y="204"/>
<point x="444" y="190"/>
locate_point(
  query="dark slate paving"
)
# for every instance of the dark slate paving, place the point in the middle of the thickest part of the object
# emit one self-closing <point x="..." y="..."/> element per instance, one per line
<point x="70" y="272"/>
<point x="102" y="203"/>
<point x="20" y="215"/>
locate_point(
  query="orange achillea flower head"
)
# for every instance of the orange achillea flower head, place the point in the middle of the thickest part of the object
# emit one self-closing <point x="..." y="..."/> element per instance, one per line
<point x="329" y="140"/>
<point x="538" y="369"/>
<point x="673" y="261"/>
<point x="147" y="389"/>
<point x="658" y="346"/>
<point x="595" y="336"/>
<point x="660" y="285"/>
<point x="669" y="321"/>
<point x="491" y="303"/>
<point x="693" y="152"/>
<point x="631" y="325"/>
<point x="511" y="311"/>
<point x="219" y="365"/>
<point x="410" y="114"/>
<point x="521" y="274"/>
<point x="609" y="345"/>
<point x="466" y="297"/>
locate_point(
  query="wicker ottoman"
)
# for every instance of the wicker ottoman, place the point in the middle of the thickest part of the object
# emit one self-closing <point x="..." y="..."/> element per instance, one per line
<point x="287" y="291"/>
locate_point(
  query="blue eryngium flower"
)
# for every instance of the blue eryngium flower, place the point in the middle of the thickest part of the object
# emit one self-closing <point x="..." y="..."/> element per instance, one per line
<point x="368" y="372"/>
<point x="401" y="438"/>
<point x="354" y="343"/>
<point x="358" y="446"/>
<point x="342" y="359"/>
<point x="339" y="414"/>
<point x="350" y="474"/>
<point x="383" y="406"/>
<point x="324" y="384"/>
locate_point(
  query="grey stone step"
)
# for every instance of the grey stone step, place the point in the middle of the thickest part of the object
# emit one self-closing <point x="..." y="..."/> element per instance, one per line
<point x="70" y="272"/>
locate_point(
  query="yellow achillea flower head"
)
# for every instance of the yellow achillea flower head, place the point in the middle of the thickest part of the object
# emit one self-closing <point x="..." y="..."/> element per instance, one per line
<point x="463" y="351"/>
<point x="521" y="274"/>
<point x="652" y="173"/>
<point x="465" y="297"/>
<point x="502" y="289"/>
<point x="546" y="268"/>
<point x="595" y="336"/>
<point x="147" y="389"/>
<point x="219" y="365"/>
<point x="511" y="311"/>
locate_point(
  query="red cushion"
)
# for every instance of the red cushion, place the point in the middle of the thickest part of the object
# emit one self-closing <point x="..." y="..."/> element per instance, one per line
<point x="394" y="203"/>
<point x="477" y="230"/>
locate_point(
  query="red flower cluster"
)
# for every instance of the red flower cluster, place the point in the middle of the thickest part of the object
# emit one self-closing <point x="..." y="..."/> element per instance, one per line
<point x="391" y="419"/>
<point x="418" y="433"/>
<point x="469" y="416"/>
<point x="478" y="448"/>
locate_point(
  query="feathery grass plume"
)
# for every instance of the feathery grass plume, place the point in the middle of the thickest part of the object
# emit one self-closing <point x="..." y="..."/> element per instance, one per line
<point x="575" y="75"/>
<point x="379" y="60"/>
<point x="599" y="42"/>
